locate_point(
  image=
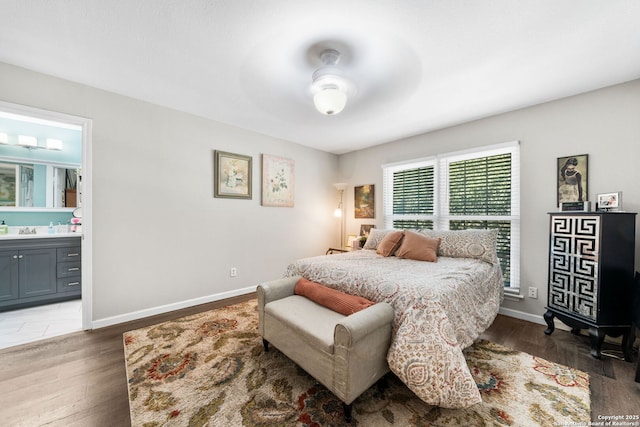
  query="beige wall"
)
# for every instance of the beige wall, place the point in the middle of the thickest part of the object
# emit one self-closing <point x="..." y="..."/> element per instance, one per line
<point x="605" y="124"/>
<point x="160" y="240"/>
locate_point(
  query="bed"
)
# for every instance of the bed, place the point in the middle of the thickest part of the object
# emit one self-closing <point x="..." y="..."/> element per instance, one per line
<point x="440" y="307"/>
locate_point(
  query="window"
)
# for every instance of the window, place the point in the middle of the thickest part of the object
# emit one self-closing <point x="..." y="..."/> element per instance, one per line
<point x="455" y="191"/>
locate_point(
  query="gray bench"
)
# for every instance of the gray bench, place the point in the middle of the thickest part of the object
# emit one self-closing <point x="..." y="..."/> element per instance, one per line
<point x="346" y="354"/>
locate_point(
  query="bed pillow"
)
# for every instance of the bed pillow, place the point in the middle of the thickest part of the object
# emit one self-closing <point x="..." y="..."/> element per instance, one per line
<point x="390" y="243"/>
<point x="478" y="244"/>
<point x="333" y="299"/>
<point x="375" y="237"/>
<point x="418" y="247"/>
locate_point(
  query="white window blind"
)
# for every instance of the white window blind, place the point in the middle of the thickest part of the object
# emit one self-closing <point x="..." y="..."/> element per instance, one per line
<point x="473" y="189"/>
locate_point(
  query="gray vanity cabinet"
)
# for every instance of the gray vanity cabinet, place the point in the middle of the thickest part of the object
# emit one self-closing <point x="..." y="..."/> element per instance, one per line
<point x="38" y="271"/>
<point x="9" y="289"/>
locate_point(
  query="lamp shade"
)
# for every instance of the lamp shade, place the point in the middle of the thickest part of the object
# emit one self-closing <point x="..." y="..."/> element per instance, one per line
<point x="330" y="101"/>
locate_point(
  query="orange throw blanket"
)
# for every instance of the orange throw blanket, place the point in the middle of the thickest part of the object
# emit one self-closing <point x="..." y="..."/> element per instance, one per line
<point x="331" y="298"/>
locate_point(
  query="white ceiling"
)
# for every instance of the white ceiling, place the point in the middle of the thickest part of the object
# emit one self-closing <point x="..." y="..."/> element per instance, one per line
<point x="417" y="65"/>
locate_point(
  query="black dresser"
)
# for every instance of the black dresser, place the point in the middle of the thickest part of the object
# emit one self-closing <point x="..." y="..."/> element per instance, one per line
<point x="591" y="275"/>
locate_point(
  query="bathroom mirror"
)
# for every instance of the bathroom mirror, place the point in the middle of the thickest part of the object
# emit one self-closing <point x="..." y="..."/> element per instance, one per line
<point x="39" y="161"/>
<point x="37" y="185"/>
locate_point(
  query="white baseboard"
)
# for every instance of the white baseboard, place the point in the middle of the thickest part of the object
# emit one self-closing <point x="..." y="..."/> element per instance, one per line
<point x="127" y="317"/>
<point x="114" y="320"/>
<point x="533" y="318"/>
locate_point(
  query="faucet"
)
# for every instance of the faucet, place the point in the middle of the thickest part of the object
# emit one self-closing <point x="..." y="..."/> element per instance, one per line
<point x="27" y="230"/>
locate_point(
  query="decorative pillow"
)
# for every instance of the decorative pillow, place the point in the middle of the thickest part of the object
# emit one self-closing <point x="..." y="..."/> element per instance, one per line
<point x="418" y="247"/>
<point x="333" y="299"/>
<point x="478" y="244"/>
<point x="375" y="237"/>
<point x="390" y="243"/>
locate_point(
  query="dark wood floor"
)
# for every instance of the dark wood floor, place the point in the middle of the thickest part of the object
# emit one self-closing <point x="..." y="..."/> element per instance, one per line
<point x="80" y="380"/>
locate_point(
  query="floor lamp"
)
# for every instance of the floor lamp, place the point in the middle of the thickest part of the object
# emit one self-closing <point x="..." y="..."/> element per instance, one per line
<point x="339" y="212"/>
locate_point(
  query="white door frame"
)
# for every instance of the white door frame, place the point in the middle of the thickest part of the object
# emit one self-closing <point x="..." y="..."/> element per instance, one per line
<point x="86" y="238"/>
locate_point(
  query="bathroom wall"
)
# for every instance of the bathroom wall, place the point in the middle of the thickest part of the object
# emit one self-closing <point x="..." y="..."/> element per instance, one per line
<point x="23" y="219"/>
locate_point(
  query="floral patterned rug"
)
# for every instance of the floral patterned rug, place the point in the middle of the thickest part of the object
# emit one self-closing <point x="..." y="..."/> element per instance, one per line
<point x="210" y="369"/>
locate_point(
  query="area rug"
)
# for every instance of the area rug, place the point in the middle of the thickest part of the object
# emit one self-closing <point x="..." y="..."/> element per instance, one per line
<point x="210" y="369"/>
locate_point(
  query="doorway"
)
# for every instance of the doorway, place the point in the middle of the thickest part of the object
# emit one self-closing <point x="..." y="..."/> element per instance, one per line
<point x="70" y="151"/>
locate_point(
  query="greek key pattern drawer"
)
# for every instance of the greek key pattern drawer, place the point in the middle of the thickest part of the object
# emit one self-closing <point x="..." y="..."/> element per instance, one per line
<point x="573" y="265"/>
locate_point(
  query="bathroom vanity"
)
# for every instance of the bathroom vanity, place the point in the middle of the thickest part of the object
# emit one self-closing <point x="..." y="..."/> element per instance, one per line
<point x="39" y="269"/>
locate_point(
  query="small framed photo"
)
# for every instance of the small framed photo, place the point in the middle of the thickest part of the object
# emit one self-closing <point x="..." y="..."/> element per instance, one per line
<point x="350" y="239"/>
<point x="365" y="229"/>
<point x="610" y="201"/>
<point x="232" y="175"/>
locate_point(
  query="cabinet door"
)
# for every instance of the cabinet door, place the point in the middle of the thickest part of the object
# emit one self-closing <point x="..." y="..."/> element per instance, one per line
<point x="8" y="275"/>
<point x="573" y="265"/>
<point x="37" y="272"/>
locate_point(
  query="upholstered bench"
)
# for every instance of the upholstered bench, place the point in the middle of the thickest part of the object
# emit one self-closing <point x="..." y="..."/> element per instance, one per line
<point x="346" y="354"/>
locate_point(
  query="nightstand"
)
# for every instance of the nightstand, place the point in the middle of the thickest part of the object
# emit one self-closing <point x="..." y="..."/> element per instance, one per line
<point x="343" y="249"/>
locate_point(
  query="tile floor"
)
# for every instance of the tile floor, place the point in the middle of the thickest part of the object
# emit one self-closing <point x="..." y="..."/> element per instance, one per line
<point x="35" y="323"/>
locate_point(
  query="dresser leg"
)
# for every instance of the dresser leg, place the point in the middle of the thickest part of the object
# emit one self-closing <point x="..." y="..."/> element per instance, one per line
<point x="548" y="317"/>
<point x="597" y="338"/>
<point x="627" y="343"/>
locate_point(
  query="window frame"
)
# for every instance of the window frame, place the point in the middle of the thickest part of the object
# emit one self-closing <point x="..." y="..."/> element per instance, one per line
<point x="441" y="215"/>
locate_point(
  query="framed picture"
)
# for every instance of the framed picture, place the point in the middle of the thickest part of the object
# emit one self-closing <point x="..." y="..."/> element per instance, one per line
<point x="610" y="201"/>
<point x="365" y="229"/>
<point x="364" y="201"/>
<point x="350" y="239"/>
<point x="572" y="174"/>
<point x="278" y="181"/>
<point x="232" y="175"/>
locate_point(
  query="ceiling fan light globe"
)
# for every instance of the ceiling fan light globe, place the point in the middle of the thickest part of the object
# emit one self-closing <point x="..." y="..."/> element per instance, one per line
<point x="330" y="101"/>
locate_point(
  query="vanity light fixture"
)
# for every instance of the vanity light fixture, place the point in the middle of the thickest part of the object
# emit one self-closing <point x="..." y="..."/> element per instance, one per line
<point x="28" y="141"/>
<point x="329" y="86"/>
<point x="31" y="142"/>
<point x="54" y="144"/>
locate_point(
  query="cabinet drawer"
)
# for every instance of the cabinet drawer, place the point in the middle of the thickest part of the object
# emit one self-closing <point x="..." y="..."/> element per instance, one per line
<point x="68" y="269"/>
<point x="69" y="284"/>
<point x="68" y="254"/>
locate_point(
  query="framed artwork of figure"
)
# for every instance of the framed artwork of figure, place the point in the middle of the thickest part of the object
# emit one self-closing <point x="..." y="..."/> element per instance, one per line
<point x="572" y="178"/>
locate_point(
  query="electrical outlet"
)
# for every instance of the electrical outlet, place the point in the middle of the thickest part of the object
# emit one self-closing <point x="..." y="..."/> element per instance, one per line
<point x="533" y="292"/>
<point x="233" y="272"/>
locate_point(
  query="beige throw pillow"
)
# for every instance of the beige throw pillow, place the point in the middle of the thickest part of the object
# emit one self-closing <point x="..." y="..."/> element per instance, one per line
<point x="471" y="243"/>
<point x="418" y="247"/>
<point x="375" y="237"/>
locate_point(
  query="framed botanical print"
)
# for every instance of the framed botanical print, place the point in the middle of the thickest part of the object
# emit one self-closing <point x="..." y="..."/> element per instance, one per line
<point x="572" y="174"/>
<point x="232" y="175"/>
<point x="278" y="181"/>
